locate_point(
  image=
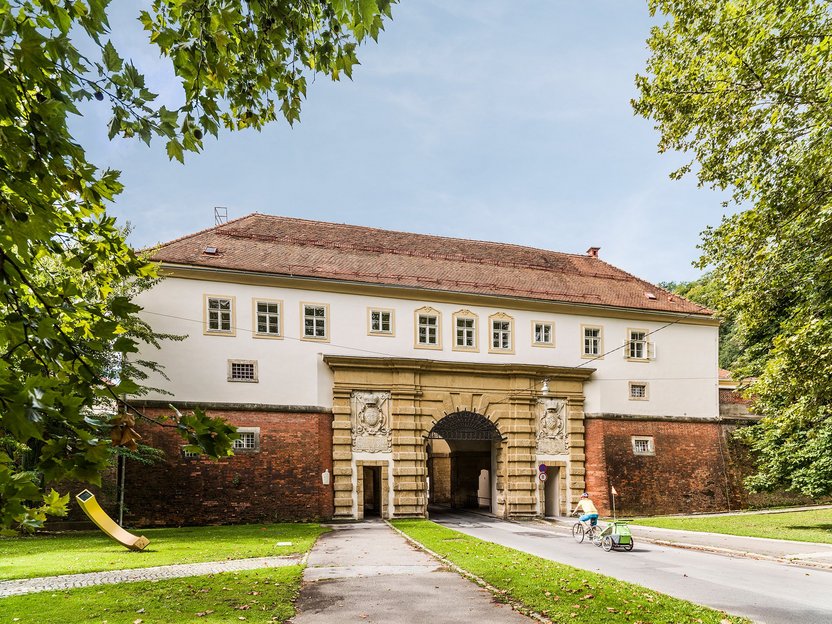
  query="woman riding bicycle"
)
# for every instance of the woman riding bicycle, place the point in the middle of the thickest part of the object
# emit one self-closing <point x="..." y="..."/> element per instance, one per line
<point x="588" y="507"/>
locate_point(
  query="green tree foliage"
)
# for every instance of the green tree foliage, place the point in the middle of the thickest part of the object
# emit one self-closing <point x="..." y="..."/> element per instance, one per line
<point x="241" y="64"/>
<point x="744" y="88"/>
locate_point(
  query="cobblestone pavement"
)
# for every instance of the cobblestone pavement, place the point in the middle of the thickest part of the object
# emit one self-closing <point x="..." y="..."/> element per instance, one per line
<point x="71" y="581"/>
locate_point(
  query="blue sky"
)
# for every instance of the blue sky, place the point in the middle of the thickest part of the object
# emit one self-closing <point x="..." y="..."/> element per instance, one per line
<point x="489" y="119"/>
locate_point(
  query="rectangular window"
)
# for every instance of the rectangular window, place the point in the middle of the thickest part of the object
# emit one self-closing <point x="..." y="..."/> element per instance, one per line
<point x="543" y="334"/>
<point x="381" y="322"/>
<point x="220" y="315"/>
<point x="268" y="318"/>
<point x="315" y="321"/>
<point x="500" y="334"/>
<point x="593" y="338"/>
<point x="188" y="454"/>
<point x="428" y="329"/>
<point x="643" y="445"/>
<point x="249" y="440"/>
<point x="637" y="347"/>
<point x="466" y="333"/>
<point x="242" y="370"/>
<point x="638" y="391"/>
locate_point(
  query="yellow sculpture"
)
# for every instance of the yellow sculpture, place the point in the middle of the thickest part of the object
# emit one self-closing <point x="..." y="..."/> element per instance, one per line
<point x="86" y="500"/>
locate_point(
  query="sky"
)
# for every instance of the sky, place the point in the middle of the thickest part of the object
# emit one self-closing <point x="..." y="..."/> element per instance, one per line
<point x="483" y="119"/>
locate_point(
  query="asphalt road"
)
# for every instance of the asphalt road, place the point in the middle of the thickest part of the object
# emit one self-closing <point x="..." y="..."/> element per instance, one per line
<point x="761" y="590"/>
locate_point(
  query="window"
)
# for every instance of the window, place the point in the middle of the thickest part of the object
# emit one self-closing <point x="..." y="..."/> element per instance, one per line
<point x="638" y="391"/>
<point x="637" y="347"/>
<point x="643" y="445"/>
<point x="380" y="321"/>
<point x="219" y="315"/>
<point x="268" y="319"/>
<point x="428" y="329"/>
<point x="315" y="326"/>
<point x="543" y="334"/>
<point x="593" y="341"/>
<point x="465" y="331"/>
<point x="502" y="330"/>
<point x="242" y="370"/>
<point x="249" y="440"/>
<point x="188" y="454"/>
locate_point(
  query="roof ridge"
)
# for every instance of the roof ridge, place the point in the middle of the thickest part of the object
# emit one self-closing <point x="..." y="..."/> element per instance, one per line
<point x="436" y="236"/>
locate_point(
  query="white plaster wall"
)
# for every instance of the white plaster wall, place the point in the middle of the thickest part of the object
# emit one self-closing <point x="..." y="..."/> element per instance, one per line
<point x="682" y="379"/>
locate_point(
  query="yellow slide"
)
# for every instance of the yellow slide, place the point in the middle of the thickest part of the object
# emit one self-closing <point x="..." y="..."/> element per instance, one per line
<point x="86" y="500"/>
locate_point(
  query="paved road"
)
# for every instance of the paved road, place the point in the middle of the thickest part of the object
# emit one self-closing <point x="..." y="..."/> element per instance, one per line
<point x="368" y="573"/>
<point x="764" y="591"/>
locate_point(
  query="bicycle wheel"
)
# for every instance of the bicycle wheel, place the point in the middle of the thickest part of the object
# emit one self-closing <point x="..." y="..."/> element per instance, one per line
<point x="596" y="536"/>
<point x="578" y="532"/>
<point x="629" y="547"/>
<point x="606" y="543"/>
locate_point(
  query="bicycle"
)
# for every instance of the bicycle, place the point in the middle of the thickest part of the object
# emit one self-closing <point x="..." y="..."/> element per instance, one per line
<point x="583" y="529"/>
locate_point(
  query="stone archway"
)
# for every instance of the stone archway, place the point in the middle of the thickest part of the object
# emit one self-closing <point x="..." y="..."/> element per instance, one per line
<point x="461" y="462"/>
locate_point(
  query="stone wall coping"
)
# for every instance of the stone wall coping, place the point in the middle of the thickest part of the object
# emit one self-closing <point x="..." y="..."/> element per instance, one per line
<point x="238" y="407"/>
<point x="735" y="420"/>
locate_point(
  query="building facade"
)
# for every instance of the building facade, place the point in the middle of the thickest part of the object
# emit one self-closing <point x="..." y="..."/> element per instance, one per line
<point x="377" y="372"/>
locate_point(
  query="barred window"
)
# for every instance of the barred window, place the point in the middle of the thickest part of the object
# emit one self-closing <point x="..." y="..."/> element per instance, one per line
<point x="242" y="370"/>
<point x="249" y="440"/>
<point x="638" y="390"/>
<point x="643" y="445"/>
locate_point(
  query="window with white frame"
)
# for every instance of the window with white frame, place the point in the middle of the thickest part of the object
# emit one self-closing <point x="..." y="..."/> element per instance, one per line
<point x="638" y="391"/>
<point x="315" y="321"/>
<point x="219" y="315"/>
<point x="188" y="454"/>
<point x="593" y="341"/>
<point x="427" y="329"/>
<point x="637" y="346"/>
<point x="381" y="322"/>
<point x="465" y="331"/>
<point x="501" y="332"/>
<point x="249" y="440"/>
<point x="643" y="445"/>
<point x="543" y="334"/>
<point x="268" y="318"/>
<point x="242" y="370"/>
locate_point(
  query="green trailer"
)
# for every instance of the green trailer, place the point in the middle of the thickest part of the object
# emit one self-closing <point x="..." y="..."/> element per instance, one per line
<point x="616" y="535"/>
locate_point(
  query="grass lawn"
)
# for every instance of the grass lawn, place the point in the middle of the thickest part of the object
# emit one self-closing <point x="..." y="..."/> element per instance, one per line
<point x="560" y="592"/>
<point x="70" y="553"/>
<point x="803" y="526"/>
<point x="251" y="596"/>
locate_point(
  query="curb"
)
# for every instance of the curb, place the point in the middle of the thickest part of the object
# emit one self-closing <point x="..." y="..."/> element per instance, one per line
<point x="498" y="593"/>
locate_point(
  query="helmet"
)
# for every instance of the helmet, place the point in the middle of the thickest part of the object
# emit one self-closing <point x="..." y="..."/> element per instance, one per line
<point x="584" y="495"/>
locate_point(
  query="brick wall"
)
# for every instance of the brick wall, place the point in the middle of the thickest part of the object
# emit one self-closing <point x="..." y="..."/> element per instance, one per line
<point x="690" y="471"/>
<point x="280" y="482"/>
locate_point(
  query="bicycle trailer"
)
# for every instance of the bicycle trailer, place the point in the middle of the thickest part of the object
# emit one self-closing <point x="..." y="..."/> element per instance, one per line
<point x="616" y="535"/>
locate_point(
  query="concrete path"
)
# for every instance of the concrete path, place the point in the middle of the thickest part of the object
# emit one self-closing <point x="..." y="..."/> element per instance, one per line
<point x="765" y="591"/>
<point x="368" y="573"/>
<point x="72" y="581"/>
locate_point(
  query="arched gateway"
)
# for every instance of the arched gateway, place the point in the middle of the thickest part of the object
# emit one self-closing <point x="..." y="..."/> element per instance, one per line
<point x="461" y="457"/>
<point x="408" y="434"/>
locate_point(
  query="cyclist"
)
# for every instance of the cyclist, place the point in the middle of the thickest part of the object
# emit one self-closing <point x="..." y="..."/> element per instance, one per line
<point x="588" y="507"/>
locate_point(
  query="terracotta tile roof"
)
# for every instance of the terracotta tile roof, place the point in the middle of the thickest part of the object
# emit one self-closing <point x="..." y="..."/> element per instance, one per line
<point x="302" y="248"/>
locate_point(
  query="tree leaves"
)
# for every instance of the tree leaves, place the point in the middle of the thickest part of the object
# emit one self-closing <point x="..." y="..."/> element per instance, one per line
<point x="745" y="88"/>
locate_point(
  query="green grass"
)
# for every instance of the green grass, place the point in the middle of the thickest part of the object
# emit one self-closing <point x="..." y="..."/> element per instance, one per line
<point x="44" y="555"/>
<point x="255" y="596"/>
<point x="560" y="592"/>
<point x="803" y="526"/>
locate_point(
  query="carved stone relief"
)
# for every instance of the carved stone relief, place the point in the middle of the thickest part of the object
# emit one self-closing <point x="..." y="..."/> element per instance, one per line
<point x="371" y="422"/>
<point x="552" y="435"/>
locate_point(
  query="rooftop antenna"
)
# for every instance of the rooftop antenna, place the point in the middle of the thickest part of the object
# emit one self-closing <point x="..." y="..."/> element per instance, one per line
<point x="220" y="215"/>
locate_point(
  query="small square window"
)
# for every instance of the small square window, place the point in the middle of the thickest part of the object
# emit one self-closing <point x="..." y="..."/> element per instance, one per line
<point x="643" y="445"/>
<point x="381" y="322"/>
<point x="188" y="454"/>
<point x="543" y="334"/>
<point x="249" y="440"/>
<point x="242" y="370"/>
<point x="638" y="391"/>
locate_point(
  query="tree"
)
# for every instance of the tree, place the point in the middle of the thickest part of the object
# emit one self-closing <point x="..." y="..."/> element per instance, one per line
<point x="241" y="64"/>
<point x="744" y="88"/>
